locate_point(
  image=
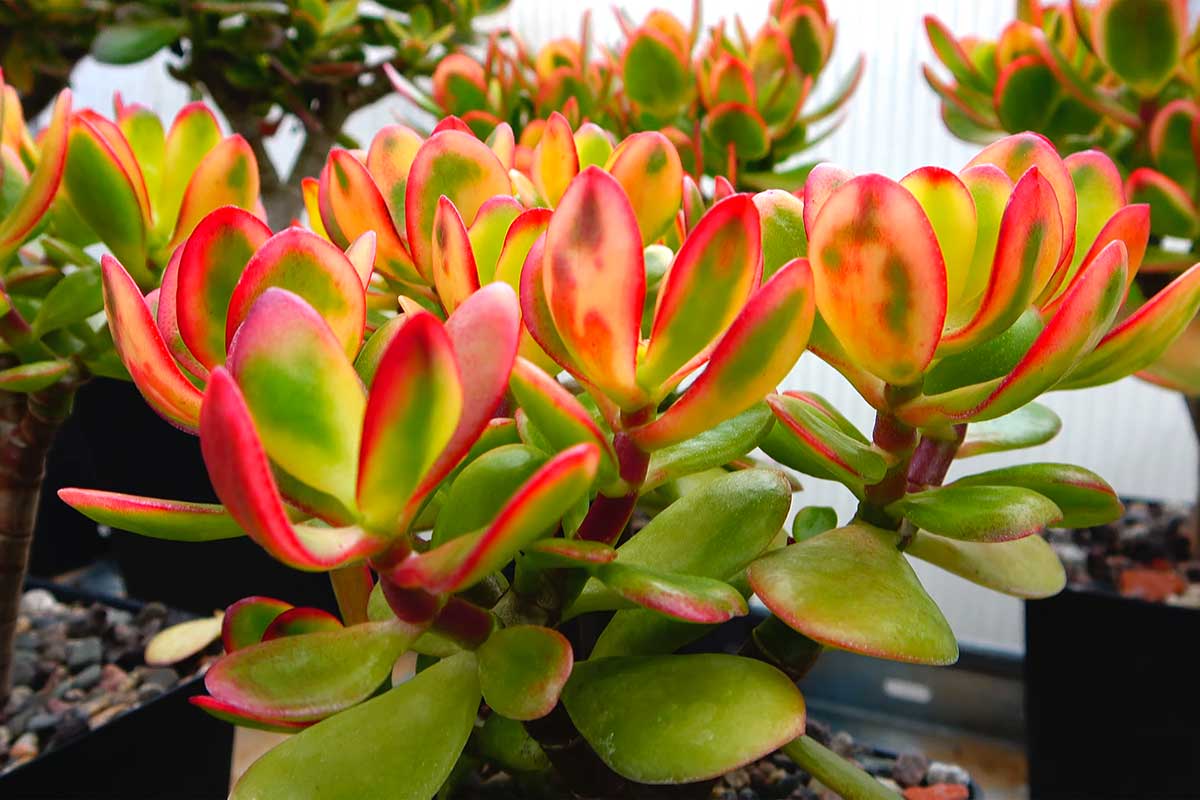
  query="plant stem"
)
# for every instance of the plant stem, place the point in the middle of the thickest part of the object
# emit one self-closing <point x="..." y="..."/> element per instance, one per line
<point x="573" y="758"/>
<point x="932" y="459"/>
<point x="607" y="516"/>
<point x="28" y="424"/>
<point x="898" y="440"/>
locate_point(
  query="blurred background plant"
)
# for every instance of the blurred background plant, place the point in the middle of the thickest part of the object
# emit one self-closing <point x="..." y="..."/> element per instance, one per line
<point x="260" y="62"/>
<point x="1120" y="76"/>
<point x="735" y="106"/>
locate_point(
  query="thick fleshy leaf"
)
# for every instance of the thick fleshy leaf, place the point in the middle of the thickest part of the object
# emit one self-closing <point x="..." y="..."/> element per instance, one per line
<point x="739" y="128"/>
<point x="351" y="204"/>
<point x="34" y="376"/>
<point x="990" y="190"/>
<point x="852" y="588"/>
<point x="647" y="166"/>
<point x="978" y="513"/>
<point x="182" y="641"/>
<point x="783" y="236"/>
<point x="247" y="620"/>
<point x="595" y="281"/>
<point x="488" y="234"/>
<point x="413" y="408"/>
<point x="226" y="176"/>
<point x="1016" y="154"/>
<point x="557" y="414"/>
<point x="210" y="265"/>
<point x="813" y="520"/>
<point x="361" y="254"/>
<point x="813" y="438"/>
<point x="302" y="391"/>
<point x="1026" y="567"/>
<point x="482" y="489"/>
<point x="713" y="532"/>
<point x="1138" y="340"/>
<point x="304" y="263"/>
<point x="301" y="621"/>
<point x="1171" y="141"/>
<point x="456" y="165"/>
<point x="656" y="76"/>
<point x="1099" y="194"/>
<point x="389" y="158"/>
<point x="951" y="211"/>
<point x="879" y="276"/>
<point x="839" y="774"/>
<point x="706" y="286"/>
<point x="759" y="349"/>
<point x="1028" y="247"/>
<point x="521" y="235"/>
<point x="241" y="475"/>
<point x="559" y="552"/>
<point x="144" y="352"/>
<point x="484" y="333"/>
<point x="454" y="273"/>
<point x="688" y="598"/>
<point x="1140" y="40"/>
<point x="992" y="358"/>
<point x="1081" y="495"/>
<point x="536" y="507"/>
<point x="43" y="184"/>
<point x="1172" y="212"/>
<point x="951" y="53"/>
<point x="631" y="712"/>
<point x="406" y="743"/>
<point x="1028" y="426"/>
<point x="555" y="160"/>
<point x="227" y="713"/>
<point x="822" y="182"/>
<point x="523" y="669"/>
<point x="108" y="196"/>
<point x="174" y="520"/>
<point x="310" y="676"/>
<point x="716" y="446"/>
<point x="193" y="134"/>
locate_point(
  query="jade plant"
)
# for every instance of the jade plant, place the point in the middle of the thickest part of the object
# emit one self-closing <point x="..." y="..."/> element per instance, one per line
<point x="1118" y="76"/>
<point x="84" y="181"/>
<point x="306" y="65"/>
<point x="733" y="107"/>
<point x="517" y="436"/>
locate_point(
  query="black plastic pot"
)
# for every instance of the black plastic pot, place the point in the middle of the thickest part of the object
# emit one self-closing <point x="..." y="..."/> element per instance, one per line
<point x="1112" y="698"/>
<point x="166" y="749"/>
<point x="122" y="445"/>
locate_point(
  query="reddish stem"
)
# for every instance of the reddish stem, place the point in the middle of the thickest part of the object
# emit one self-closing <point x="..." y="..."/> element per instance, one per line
<point x="932" y="458"/>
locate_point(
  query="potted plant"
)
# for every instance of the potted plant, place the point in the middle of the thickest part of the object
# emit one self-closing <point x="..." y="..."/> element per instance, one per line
<point x="303" y="67"/>
<point x="473" y="505"/>
<point x="1119" y="77"/>
<point x="735" y="108"/>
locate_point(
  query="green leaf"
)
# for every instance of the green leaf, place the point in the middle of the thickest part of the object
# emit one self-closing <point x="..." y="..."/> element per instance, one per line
<point x="642" y="632"/>
<point x="401" y="745"/>
<point x="1027" y="568"/>
<point x="506" y="742"/>
<point x="685" y="597"/>
<point x="34" y="376"/>
<point x="713" y="532"/>
<point x="128" y="43"/>
<point x="634" y="715"/>
<point x="1030" y="425"/>
<point x="815" y="439"/>
<point x="522" y="670"/>
<point x="852" y="588"/>
<point x="813" y="520"/>
<point x="840" y="775"/>
<point x="976" y="513"/>
<point x="308" y="677"/>
<point x="76" y="297"/>
<point x="482" y="489"/>
<point x="732" y="439"/>
<point x="1083" y="497"/>
<point x="654" y="75"/>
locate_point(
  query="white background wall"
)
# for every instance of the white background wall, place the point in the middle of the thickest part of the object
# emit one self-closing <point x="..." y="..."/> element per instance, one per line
<point x="1135" y="435"/>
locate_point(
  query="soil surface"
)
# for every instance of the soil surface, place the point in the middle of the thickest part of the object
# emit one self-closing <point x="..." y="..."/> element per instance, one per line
<point x="776" y="777"/>
<point x="1146" y="554"/>
<point x="77" y="667"/>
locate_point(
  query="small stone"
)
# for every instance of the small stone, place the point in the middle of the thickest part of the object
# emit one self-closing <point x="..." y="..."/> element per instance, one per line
<point x="24" y="668"/>
<point x="938" y="791"/>
<point x="84" y="652"/>
<point x="819" y="731"/>
<point x="910" y="769"/>
<point x="124" y="634"/>
<point x="842" y="744"/>
<point x="18" y="699"/>
<point x="27" y="640"/>
<point x="747" y="794"/>
<point x="90" y="622"/>
<point x="738" y="779"/>
<point x="874" y="765"/>
<point x="113" y="678"/>
<point x="889" y="784"/>
<point x="103" y="716"/>
<point x="43" y="723"/>
<point x="941" y="772"/>
<point x="151" y="612"/>
<point x="88" y="677"/>
<point x="38" y="603"/>
<point x="148" y="691"/>
<point x="5" y="739"/>
<point x="74" y="723"/>
<point x="163" y="677"/>
<point x="25" y="748"/>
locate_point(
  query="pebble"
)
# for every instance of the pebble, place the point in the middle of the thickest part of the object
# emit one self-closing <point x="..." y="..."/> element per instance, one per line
<point x="38" y="602"/>
<point x="163" y="677"/>
<point x="910" y="769"/>
<point x="24" y="748"/>
<point x="18" y="699"/>
<point x="84" y="652"/>
<point x="148" y="691"/>
<point x="938" y="791"/>
<point x="941" y="772"/>
<point x="114" y="679"/>
<point x="24" y="668"/>
<point x="88" y="678"/>
<point x="842" y="744"/>
<point x="1154" y="585"/>
<point x="43" y="723"/>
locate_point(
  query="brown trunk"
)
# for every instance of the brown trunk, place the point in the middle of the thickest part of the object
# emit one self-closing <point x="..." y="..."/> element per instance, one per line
<point x="28" y="424"/>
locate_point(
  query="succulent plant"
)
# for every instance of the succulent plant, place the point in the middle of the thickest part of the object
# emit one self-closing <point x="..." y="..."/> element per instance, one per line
<point x="1119" y="76"/>
<point x="532" y="469"/>
<point x="733" y="108"/>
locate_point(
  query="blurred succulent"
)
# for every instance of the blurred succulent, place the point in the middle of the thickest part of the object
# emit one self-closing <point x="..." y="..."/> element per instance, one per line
<point x="1121" y="76"/>
<point x="734" y="108"/>
<point x="540" y="406"/>
<point x="261" y="63"/>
